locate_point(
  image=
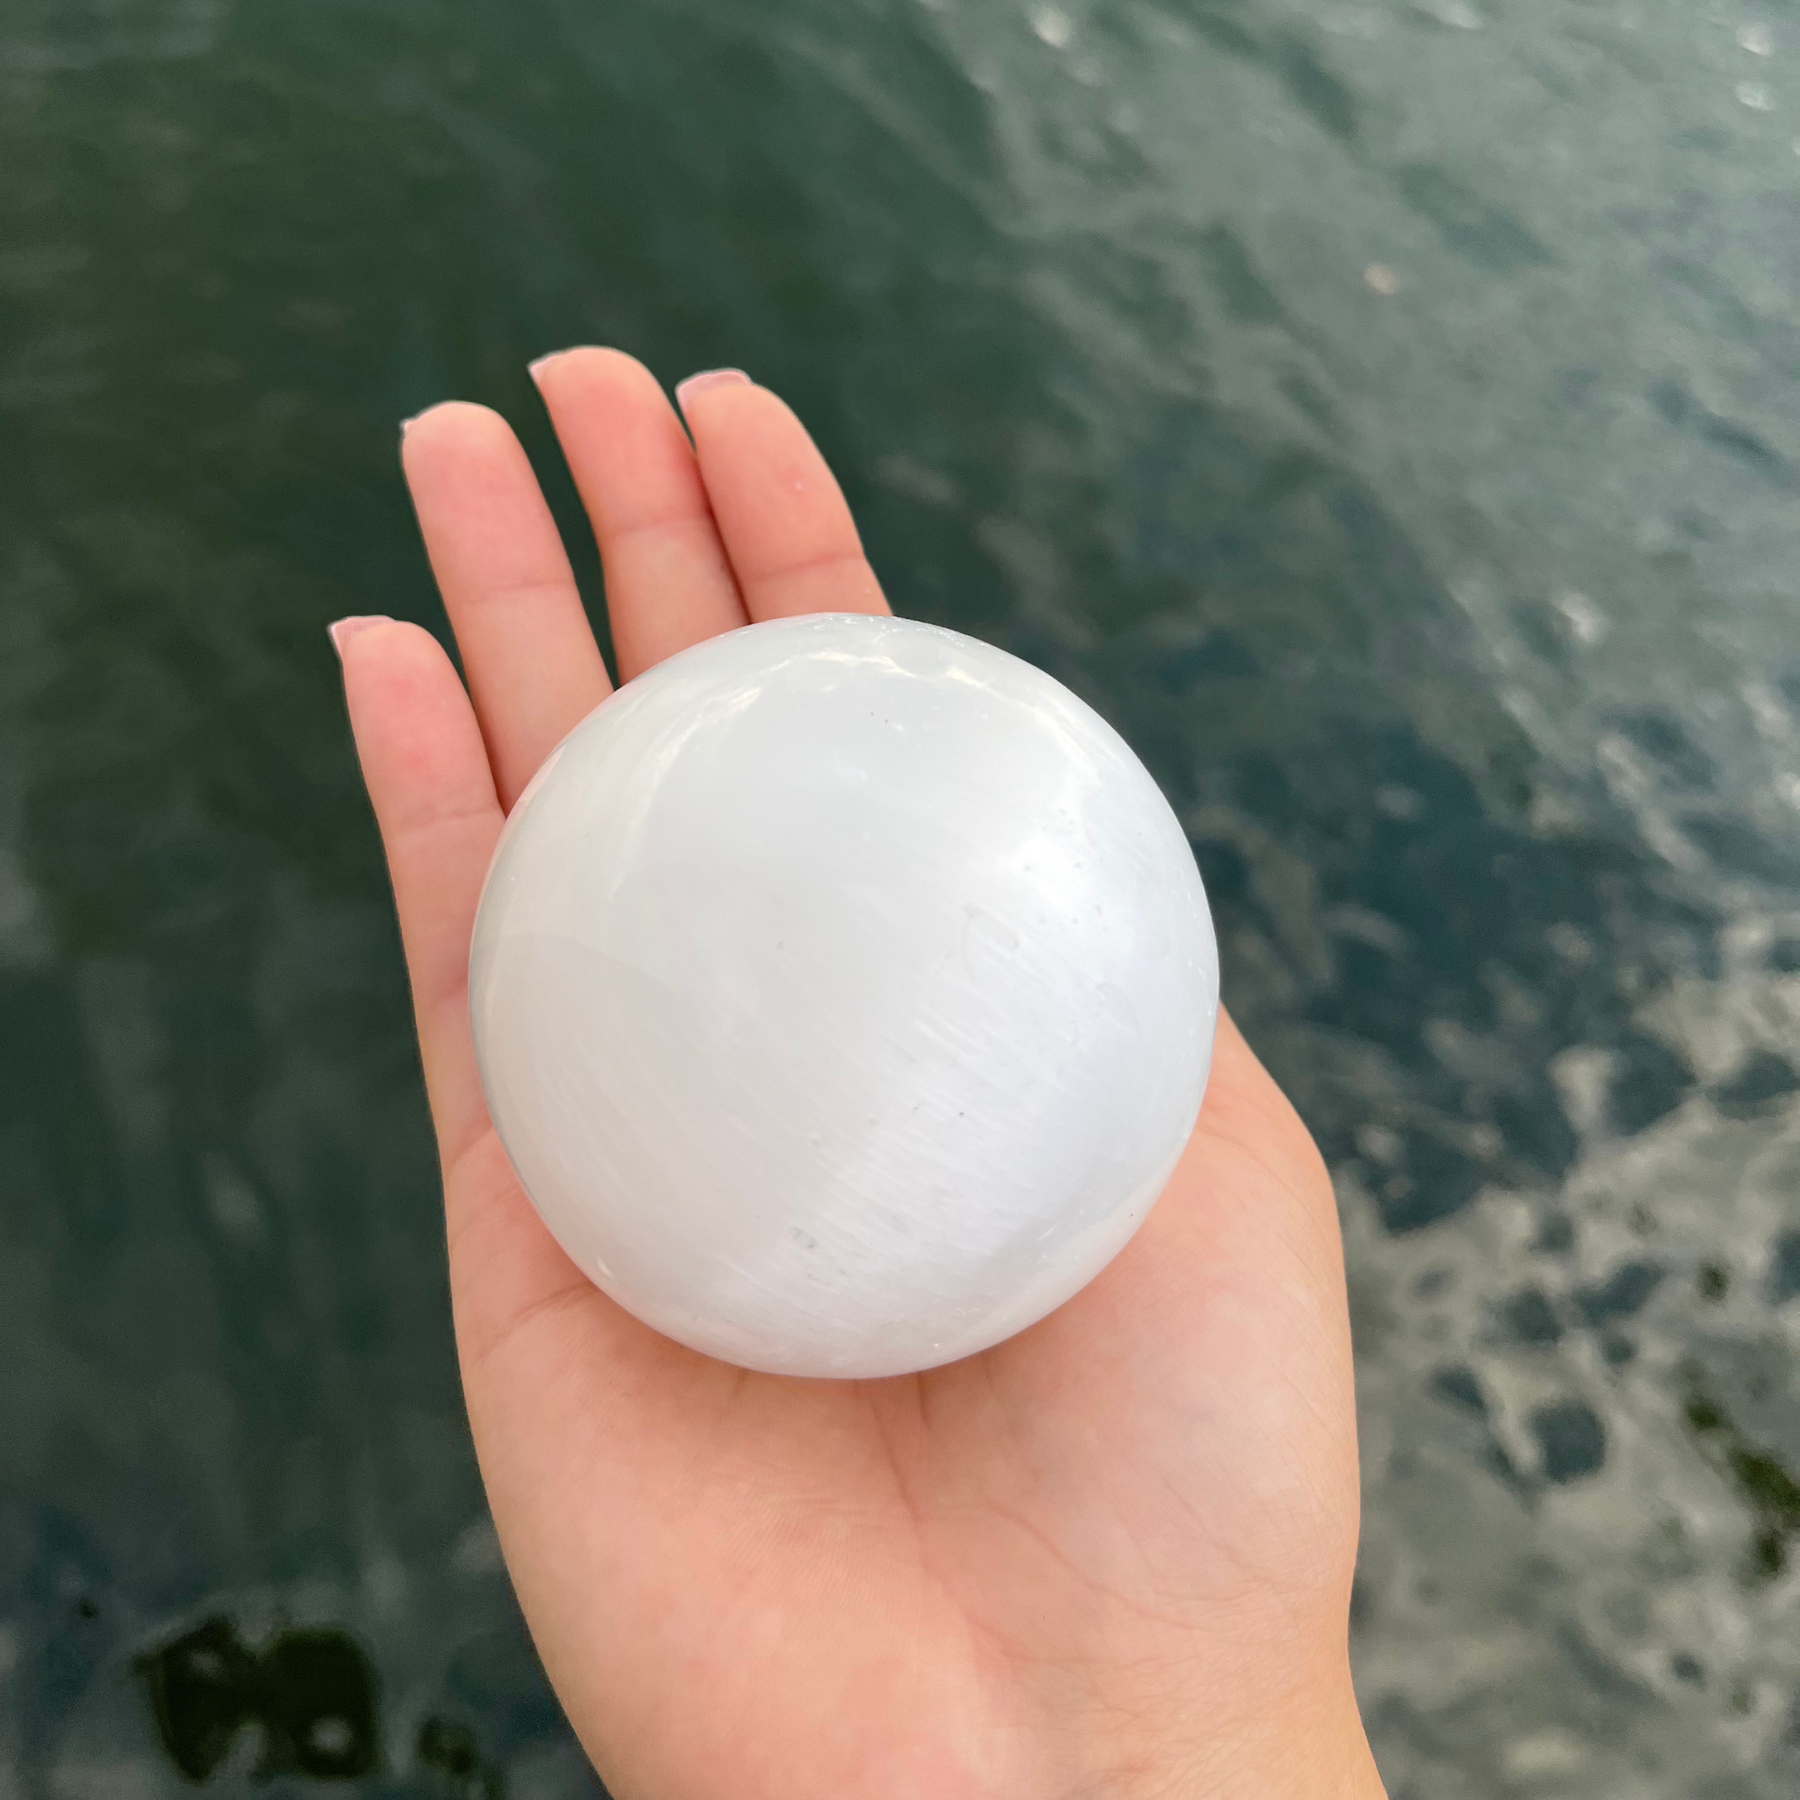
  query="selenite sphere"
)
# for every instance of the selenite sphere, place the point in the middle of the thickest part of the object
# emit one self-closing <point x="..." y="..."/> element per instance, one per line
<point x="844" y="992"/>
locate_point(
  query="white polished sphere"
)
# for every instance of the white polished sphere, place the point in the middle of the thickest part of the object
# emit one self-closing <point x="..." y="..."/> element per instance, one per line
<point x="844" y="993"/>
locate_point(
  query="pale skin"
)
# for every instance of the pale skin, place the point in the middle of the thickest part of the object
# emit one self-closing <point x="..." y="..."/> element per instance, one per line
<point x="1107" y="1560"/>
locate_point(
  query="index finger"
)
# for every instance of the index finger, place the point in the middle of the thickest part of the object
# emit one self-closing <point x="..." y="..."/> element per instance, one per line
<point x="782" y="516"/>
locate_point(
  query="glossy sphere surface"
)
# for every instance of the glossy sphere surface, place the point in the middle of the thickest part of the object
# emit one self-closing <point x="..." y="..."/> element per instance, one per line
<point x="844" y="990"/>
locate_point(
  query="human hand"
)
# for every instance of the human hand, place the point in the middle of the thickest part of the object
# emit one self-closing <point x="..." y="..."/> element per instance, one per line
<point x="1106" y="1559"/>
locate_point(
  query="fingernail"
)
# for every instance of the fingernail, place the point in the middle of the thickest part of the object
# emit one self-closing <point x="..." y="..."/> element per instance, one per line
<point x="709" y="378"/>
<point x="406" y="425"/>
<point x="345" y="629"/>
<point x="535" y="369"/>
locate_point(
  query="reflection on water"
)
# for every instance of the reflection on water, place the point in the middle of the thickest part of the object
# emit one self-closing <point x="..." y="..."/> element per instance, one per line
<point x="1385" y="413"/>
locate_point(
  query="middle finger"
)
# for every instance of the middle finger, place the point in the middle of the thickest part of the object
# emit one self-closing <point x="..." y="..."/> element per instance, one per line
<point x="668" y="582"/>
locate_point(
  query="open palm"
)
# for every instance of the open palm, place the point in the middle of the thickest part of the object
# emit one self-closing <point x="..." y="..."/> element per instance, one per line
<point x="1110" y="1557"/>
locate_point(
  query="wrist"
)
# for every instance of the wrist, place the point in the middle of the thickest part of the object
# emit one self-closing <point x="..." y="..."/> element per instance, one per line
<point x="1305" y="1745"/>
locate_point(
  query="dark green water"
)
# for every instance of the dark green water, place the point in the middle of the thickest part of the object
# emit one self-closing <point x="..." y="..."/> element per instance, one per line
<point x="1388" y="414"/>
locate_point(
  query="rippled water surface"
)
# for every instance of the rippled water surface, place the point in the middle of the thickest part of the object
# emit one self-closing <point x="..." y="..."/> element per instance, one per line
<point x="1388" y="414"/>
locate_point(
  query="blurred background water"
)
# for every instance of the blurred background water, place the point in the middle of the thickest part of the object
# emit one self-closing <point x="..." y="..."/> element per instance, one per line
<point x="1386" y="411"/>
